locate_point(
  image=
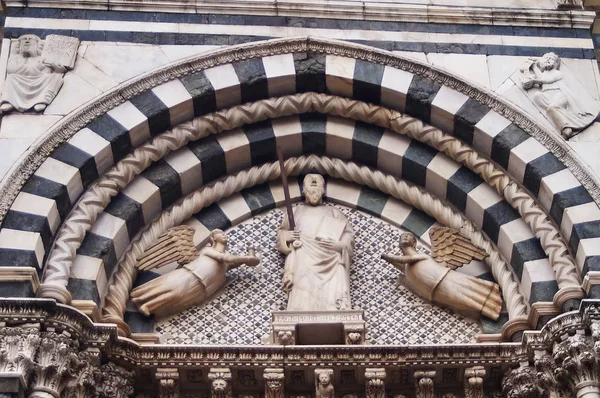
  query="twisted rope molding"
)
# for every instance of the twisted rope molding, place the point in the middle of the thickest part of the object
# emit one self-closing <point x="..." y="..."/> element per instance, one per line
<point x="69" y="125"/>
<point x="95" y="200"/>
<point x="125" y="275"/>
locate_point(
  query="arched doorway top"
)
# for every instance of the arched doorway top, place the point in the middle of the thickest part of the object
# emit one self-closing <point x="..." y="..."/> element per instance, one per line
<point x="248" y="72"/>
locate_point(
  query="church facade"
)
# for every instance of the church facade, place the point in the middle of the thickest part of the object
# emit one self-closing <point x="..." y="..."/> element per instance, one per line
<point x="318" y="199"/>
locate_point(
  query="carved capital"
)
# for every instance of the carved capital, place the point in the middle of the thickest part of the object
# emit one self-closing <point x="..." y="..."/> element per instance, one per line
<point x="576" y="361"/>
<point x="474" y="382"/>
<point x="220" y="385"/>
<point x="274" y="383"/>
<point x="424" y="383"/>
<point x="324" y="383"/>
<point x="375" y="382"/>
<point x="569" y="4"/>
<point x="168" y="382"/>
<point x="521" y="383"/>
<point x="83" y="384"/>
<point x="17" y="350"/>
<point x="114" y="381"/>
<point x="57" y="360"/>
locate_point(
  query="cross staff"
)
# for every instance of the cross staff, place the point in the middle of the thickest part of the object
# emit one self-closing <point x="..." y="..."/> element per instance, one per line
<point x="286" y="191"/>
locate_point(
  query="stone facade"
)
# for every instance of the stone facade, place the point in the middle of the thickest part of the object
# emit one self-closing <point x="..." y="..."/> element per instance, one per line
<point x="123" y="122"/>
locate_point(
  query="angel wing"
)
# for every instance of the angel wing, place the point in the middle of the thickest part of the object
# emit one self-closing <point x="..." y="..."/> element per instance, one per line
<point x="452" y="248"/>
<point x="176" y="244"/>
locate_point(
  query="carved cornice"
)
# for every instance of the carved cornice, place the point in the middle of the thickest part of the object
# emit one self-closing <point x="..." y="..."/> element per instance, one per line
<point x="72" y="123"/>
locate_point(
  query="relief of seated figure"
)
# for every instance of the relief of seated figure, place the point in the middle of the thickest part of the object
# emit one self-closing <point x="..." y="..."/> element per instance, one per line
<point x="31" y="81"/>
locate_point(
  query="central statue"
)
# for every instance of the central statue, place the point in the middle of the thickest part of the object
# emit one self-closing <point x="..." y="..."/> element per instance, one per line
<point x="319" y="252"/>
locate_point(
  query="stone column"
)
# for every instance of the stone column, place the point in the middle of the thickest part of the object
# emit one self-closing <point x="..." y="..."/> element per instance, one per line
<point x="220" y="379"/>
<point x="56" y="360"/>
<point x="274" y="383"/>
<point x="375" y="382"/>
<point x="168" y="382"/>
<point x="18" y="346"/>
<point x="324" y="383"/>
<point x="474" y="382"/>
<point x="424" y="383"/>
<point x="114" y="381"/>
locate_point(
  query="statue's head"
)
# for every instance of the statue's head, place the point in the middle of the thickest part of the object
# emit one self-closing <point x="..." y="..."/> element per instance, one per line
<point x="218" y="236"/>
<point x="29" y="45"/>
<point x="314" y="189"/>
<point x="549" y="61"/>
<point x="324" y="379"/>
<point x="407" y="239"/>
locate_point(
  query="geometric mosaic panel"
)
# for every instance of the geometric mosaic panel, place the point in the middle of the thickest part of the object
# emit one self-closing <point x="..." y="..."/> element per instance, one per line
<point x="240" y="312"/>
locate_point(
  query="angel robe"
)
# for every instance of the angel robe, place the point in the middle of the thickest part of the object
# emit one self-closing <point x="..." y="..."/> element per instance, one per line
<point x="464" y="293"/>
<point x="182" y="288"/>
<point x="29" y="82"/>
<point x="321" y="280"/>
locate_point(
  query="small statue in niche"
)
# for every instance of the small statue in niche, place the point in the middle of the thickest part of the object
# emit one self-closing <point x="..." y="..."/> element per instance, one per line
<point x="567" y="110"/>
<point x="35" y="71"/>
<point x="324" y="388"/>
<point x="202" y="273"/>
<point x="441" y="284"/>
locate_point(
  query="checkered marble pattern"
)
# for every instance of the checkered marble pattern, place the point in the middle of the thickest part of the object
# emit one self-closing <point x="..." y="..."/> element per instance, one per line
<point x="74" y="165"/>
<point x="240" y="313"/>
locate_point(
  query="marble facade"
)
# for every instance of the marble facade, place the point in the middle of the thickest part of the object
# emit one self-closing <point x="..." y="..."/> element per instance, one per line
<point x="417" y="115"/>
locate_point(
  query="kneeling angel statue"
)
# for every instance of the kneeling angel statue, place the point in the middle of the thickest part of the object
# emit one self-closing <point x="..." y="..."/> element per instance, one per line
<point x="440" y="283"/>
<point x="201" y="274"/>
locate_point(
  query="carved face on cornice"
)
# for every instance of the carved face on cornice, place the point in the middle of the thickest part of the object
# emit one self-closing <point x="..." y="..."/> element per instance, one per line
<point x="324" y="379"/>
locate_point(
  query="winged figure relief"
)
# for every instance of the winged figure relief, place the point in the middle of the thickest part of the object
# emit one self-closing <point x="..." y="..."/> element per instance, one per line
<point x="435" y="279"/>
<point x="200" y="273"/>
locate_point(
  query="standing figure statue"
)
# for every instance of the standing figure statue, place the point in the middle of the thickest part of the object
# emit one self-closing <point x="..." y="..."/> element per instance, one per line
<point x="201" y="275"/>
<point x="319" y="253"/>
<point x="31" y="80"/>
<point x="439" y="283"/>
<point x="565" y="108"/>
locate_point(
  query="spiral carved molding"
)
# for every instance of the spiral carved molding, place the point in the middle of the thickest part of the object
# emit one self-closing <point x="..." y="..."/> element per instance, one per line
<point x="125" y="275"/>
<point x="97" y="197"/>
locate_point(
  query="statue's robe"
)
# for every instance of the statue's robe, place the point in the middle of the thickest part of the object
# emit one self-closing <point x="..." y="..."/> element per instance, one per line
<point x="564" y="107"/>
<point x="182" y="288"/>
<point x="321" y="279"/>
<point x="463" y="293"/>
<point x="29" y="82"/>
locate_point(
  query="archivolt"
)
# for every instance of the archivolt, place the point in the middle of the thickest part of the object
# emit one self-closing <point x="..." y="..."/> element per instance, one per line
<point x="99" y="194"/>
<point x="125" y="275"/>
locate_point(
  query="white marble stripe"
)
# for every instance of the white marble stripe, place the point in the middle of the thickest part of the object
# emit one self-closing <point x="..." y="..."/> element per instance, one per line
<point x="38" y="205"/>
<point x="23" y="240"/>
<point x="287" y="31"/>
<point x="95" y="145"/>
<point x="179" y="101"/>
<point x="63" y="174"/>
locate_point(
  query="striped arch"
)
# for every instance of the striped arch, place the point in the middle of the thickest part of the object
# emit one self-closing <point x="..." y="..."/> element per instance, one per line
<point x="42" y="190"/>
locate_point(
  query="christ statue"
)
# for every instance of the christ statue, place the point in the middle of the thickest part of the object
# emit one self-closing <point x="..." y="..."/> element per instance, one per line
<point x="319" y="252"/>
